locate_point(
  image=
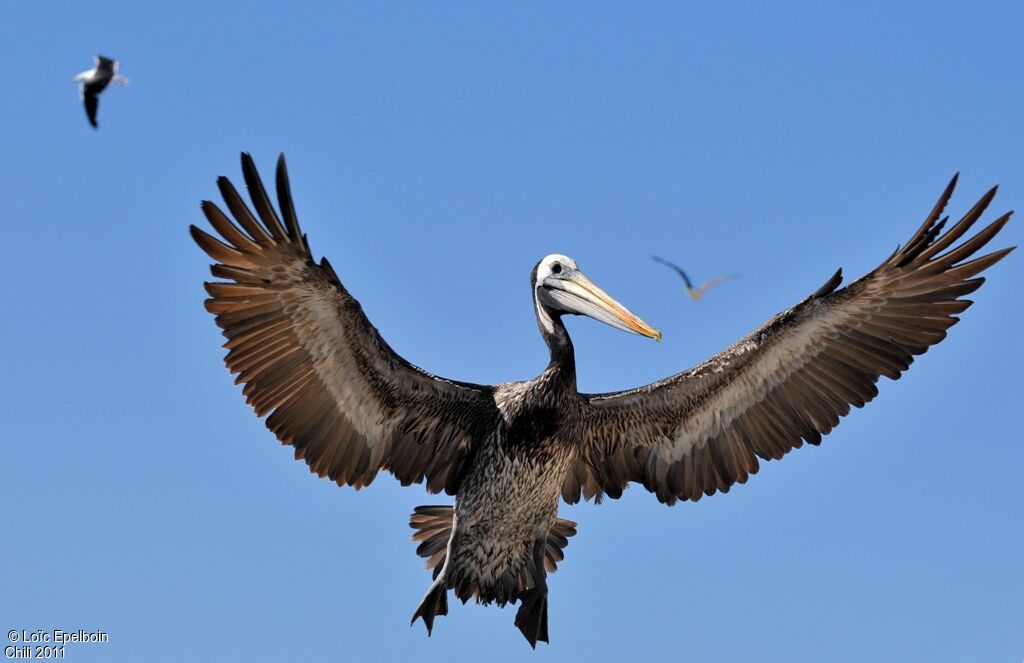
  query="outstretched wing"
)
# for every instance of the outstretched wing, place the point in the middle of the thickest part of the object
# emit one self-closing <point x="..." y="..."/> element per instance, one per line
<point x="309" y="358"/>
<point x="789" y="381"/>
<point x="711" y="283"/>
<point x="677" y="269"/>
<point x="92" y="103"/>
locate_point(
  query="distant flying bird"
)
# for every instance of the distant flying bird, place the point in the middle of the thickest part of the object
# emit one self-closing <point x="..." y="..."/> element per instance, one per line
<point x="350" y="406"/>
<point x="95" y="81"/>
<point x="695" y="293"/>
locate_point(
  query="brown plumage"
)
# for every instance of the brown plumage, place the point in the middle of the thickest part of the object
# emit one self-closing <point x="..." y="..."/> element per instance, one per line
<point x="333" y="389"/>
<point x="788" y="381"/>
<point x="298" y="366"/>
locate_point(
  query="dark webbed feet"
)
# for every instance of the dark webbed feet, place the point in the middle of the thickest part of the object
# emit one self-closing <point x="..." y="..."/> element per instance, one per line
<point x="434" y="603"/>
<point x="532" y="618"/>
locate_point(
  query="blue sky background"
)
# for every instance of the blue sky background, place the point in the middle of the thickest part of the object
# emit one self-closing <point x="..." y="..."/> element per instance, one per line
<point x="437" y="152"/>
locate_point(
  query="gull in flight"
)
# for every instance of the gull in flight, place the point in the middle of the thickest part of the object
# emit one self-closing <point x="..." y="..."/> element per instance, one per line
<point x="695" y="293"/>
<point x="95" y="81"/>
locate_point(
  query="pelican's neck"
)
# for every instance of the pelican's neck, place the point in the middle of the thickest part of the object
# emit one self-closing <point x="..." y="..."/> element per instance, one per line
<point x="563" y="359"/>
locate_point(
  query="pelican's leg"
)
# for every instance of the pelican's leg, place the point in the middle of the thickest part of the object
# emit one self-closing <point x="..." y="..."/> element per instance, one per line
<point x="435" y="601"/>
<point x="532" y="618"/>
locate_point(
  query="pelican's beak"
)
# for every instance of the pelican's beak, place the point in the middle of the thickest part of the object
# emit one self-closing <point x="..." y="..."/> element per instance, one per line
<point x="577" y="294"/>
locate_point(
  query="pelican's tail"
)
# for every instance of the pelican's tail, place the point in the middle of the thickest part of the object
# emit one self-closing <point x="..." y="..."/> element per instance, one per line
<point x="433" y="525"/>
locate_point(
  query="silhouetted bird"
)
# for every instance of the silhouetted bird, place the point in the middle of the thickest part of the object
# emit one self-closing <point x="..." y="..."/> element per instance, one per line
<point x="698" y="292"/>
<point x="95" y="81"/>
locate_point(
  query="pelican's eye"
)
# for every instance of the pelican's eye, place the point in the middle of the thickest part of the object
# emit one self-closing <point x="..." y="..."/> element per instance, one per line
<point x="556" y="268"/>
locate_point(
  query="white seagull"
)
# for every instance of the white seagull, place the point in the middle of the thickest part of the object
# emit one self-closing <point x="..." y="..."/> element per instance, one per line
<point x="95" y="81"/>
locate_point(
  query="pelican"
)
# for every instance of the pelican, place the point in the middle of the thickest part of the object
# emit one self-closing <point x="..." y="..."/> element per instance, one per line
<point x="96" y="80"/>
<point x="696" y="293"/>
<point x="350" y="406"/>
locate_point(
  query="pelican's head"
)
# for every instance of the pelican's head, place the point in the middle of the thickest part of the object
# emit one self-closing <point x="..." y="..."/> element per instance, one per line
<point x="559" y="287"/>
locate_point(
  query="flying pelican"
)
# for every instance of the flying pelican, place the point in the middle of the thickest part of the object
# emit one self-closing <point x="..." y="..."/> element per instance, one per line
<point x="696" y="294"/>
<point x="350" y="406"/>
<point x="95" y="81"/>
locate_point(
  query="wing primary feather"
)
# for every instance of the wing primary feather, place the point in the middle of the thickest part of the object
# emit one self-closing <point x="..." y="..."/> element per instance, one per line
<point x="218" y="250"/>
<point x="936" y="212"/>
<point x="829" y="286"/>
<point x="978" y="265"/>
<point x="241" y="212"/>
<point x="282" y="325"/>
<point x="223" y="225"/>
<point x="910" y="253"/>
<point x="966" y="249"/>
<point x="284" y="200"/>
<point x="260" y="200"/>
<point x="239" y="274"/>
<point x="253" y="323"/>
<point x="961" y="226"/>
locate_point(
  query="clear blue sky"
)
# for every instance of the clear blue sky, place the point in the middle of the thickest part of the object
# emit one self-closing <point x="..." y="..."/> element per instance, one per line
<point x="437" y="152"/>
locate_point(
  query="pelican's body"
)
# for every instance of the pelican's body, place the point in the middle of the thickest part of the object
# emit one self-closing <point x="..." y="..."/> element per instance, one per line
<point x="96" y="80"/>
<point x="505" y="533"/>
<point x="350" y="406"/>
<point x="508" y="502"/>
<point x="509" y="498"/>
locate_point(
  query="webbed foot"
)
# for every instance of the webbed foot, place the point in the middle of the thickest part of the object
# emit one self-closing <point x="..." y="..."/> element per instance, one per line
<point x="434" y="603"/>
<point x="532" y="618"/>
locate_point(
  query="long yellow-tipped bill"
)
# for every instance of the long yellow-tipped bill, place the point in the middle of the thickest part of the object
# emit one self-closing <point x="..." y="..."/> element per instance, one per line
<point x="578" y="294"/>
